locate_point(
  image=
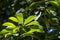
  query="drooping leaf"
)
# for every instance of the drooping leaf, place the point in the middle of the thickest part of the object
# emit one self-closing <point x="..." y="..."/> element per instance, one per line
<point x="20" y="17"/>
<point x="13" y="19"/>
<point x="29" y="19"/>
<point x="9" y="24"/>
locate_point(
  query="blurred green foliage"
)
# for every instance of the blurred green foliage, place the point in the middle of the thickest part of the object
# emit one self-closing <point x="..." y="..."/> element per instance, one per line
<point x="29" y="19"/>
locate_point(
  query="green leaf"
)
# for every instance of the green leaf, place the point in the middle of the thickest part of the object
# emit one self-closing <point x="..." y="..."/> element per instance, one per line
<point x="55" y="3"/>
<point x="33" y="30"/>
<point x="48" y="11"/>
<point x="9" y="24"/>
<point x="3" y="31"/>
<point x="33" y="23"/>
<point x="13" y="19"/>
<point x="16" y="29"/>
<point x="40" y="27"/>
<point x="29" y="19"/>
<point x="34" y="5"/>
<point x="29" y="33"/>
<point x="20" y="17"/>
<point x="54" y="19"/>
<point x="8" y="34"/>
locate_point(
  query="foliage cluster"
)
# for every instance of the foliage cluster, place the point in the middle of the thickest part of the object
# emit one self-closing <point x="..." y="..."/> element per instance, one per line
<point x="29" y="19"/>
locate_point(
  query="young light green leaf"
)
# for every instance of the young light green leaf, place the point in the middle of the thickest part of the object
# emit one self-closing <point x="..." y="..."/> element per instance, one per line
<point x="16" y="29"/>
<point x="29" y="19"/>
<point x="3" y="31"/>
<point x="11" y="25"/>
<point x="33" y="23"/>
<point x="20" y="17"/>
<point x="13" y="19"/>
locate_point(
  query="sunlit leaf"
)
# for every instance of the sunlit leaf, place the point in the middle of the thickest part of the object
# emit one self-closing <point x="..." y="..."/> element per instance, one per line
<point x="8" y="34"/>
<point x="11" y="25"/>
<point x="3" y="31"/>
<point x="13" y="19"/>
<point x="29" y="19"/>
<point x="33" y="23"/>
<point x="16" y="30"/>
<point x="20" y="17"/>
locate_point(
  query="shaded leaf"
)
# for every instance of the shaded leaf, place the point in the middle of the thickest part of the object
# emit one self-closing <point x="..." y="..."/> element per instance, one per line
<point x="55" y="3"/>
<point x="47" y="10"/>
<point x="34" y="5"/>
<point x="54" y="19"/>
